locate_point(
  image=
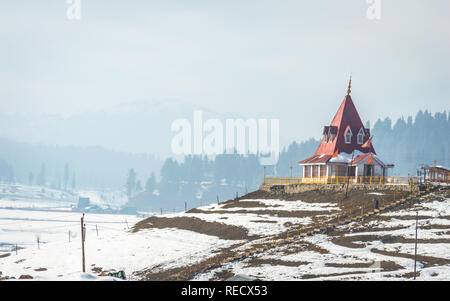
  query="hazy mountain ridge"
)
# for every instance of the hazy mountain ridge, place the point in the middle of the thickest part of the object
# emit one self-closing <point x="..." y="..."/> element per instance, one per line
<point x="138" y="127"/>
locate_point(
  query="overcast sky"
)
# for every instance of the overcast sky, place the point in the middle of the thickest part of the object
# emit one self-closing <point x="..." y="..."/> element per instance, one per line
<point x="258" y="58"/>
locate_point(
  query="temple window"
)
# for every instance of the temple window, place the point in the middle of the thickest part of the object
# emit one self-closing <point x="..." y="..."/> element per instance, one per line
<point x="360" y="136"/>
<point x="348" y="136"/>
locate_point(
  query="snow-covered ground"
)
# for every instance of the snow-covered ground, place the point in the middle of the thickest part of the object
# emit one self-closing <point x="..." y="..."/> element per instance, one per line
<point x="38" y="197"/>
<point x="111" y="245"/>
<point x="260" y="220"/>
<point x="35" y="197"/>
<point x="32" y="213"/>
<point x="368" y="260"/>
<point x="271" y="204"/>
<point x="115" y="247"/>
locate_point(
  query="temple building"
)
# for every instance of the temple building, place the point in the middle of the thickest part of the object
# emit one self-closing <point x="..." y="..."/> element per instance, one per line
<point x="346" y="148"/>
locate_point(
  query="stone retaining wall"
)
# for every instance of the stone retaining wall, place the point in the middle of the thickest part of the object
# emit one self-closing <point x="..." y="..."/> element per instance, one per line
<point x="297" y="188"/>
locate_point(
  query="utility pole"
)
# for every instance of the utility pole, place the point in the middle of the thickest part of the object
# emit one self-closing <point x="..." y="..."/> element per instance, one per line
<point x="82" y="242"/>
<point x="291" y="171"/>
<point x="415" y="247"/>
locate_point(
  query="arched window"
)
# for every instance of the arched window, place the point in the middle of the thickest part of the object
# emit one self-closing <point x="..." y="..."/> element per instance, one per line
<point x="361" y="136"/>
<point x="348" y="136"/>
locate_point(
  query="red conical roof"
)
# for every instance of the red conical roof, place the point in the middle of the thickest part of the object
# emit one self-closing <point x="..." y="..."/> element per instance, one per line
<point x="346" y="118"/>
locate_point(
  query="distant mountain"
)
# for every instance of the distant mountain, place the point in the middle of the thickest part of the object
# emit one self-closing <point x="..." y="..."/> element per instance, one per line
<point x="138" y="127"/>
<point x="93" y="167"/>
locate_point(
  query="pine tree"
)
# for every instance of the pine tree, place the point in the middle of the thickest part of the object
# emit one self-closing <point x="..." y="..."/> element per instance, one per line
<point x="73" y="181"/>
<point x="131" y="183"/>
<point x="30" y="178"/>
<point x="41" y="180"/>
<point x="66" y="175"/>
<point x="150" y="185"/>
<point x="138" y="186"/>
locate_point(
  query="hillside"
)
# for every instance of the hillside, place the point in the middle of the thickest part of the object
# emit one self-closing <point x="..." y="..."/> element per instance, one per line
<point x="295" y="239"/>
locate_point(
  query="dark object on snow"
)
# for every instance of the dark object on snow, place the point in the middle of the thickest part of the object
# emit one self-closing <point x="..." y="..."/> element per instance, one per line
<point x="119" y="274"/>
<point x="376" y="203"/>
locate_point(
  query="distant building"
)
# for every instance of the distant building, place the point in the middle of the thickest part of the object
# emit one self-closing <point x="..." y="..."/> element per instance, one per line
<point x="346" y="148"/>
<point x="128" y="210"/>
<point x="436" y="174"/>
<point x="83" y="202"/>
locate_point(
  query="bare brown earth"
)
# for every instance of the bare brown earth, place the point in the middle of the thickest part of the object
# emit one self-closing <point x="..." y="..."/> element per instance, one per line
<point x="256" y="262"/>
<point x="384" y="265"/>
<point x="428" y="261"/>
<point x="408" y="275"/>
<point x="222" y="275"/>
<point x="220" y="230"/>
<point x="313" y="276"/>
<point x="278" y="213"/>
<point x="264" y="221"/>
<point x="432" y="226"/>
<point x="247" y="204"/>
<point x="355" y="197"/>
<point x="303" y="246"/>
<point x="352" y="241"/>
<point x="367" y="228"/>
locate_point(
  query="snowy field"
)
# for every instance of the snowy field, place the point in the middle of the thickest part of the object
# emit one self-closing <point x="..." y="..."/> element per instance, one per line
<point x="114" y="248"/>
<point x="37" y="197"/>
<point x="29" y="214"/>
<point x="379" y="248"/>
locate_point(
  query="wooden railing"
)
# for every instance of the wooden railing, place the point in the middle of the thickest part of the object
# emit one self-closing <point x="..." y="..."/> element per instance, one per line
<point x="343" y="180"/>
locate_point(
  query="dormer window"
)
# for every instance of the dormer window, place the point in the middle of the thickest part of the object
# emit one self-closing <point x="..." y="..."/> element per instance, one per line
<point x="326" y="133"/>
<point x="348" y="135"/>
<point x="332" y="131"/>
<point x="361" y="136"/>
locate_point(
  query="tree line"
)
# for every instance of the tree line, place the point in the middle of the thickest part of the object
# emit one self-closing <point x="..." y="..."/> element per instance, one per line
<point x="408" y="143"/>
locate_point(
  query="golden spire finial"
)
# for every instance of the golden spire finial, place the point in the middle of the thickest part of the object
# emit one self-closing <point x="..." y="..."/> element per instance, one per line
<point x="349" y="85"/>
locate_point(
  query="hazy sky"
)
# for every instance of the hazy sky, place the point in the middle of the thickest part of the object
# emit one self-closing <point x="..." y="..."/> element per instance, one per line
<point x="264" y="59"/>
